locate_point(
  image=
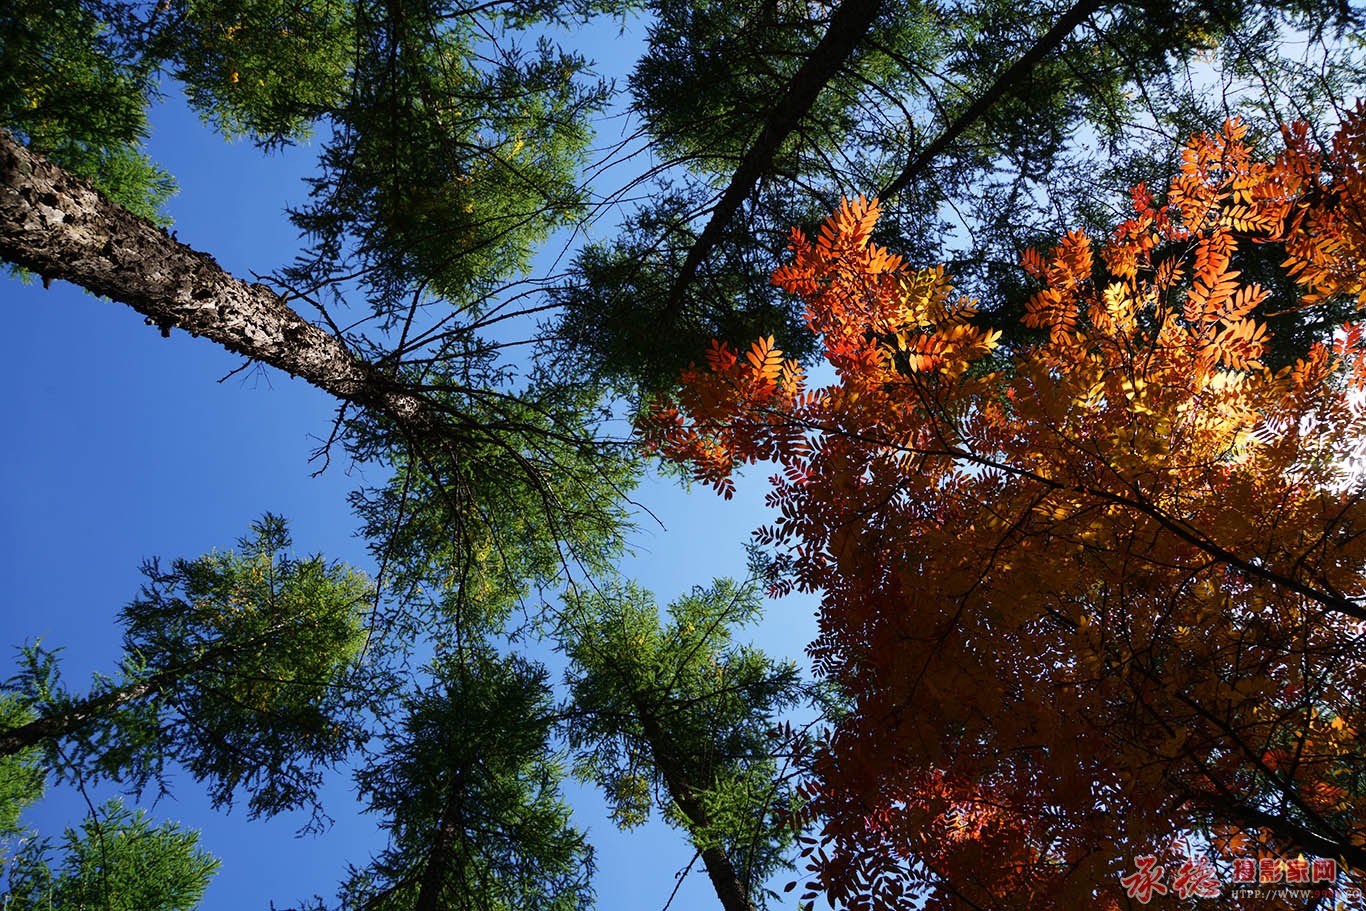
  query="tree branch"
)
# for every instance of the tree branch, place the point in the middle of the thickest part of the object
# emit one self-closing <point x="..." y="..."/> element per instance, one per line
<point x="848" y="25"/>
<point x="1079" y="13"/>
<point x="59" y="226"/>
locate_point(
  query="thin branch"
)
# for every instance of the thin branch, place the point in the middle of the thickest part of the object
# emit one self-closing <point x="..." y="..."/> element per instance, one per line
<point x="848" y="26"/>
<point x="1079" y="13"/>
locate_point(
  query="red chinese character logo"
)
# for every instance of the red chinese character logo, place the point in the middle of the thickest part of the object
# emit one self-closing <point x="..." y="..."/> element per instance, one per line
<point x="1297" y="870"/>
<point x="1196" y="877"/>
<point x="1270" y="870"/>
<point x="1140" y="886"/>
<point x="1325" y="869"/>
<point x="1245" y="870"/>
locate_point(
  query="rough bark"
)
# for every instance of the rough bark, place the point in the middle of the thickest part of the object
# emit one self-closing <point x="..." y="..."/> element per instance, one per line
<point x="1079" y="13"/>
<point x="58" y="226"/>
<point x="848" y="25"/>
<point x="724" y="878"/>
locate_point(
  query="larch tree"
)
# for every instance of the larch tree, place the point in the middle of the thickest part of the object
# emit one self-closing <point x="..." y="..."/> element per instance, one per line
<point x="458" y="142"/>
<point x="455" y="144"/>
<point x="681" y="716"/>
<point x="984" y="127"/>
<point x="470" y="793"/>
<point x="454" y="149"/>
<point x="243" y="667"/>
<point x="21" y="776"/>
<point x="1096" y="600"/>
<point x="118" y="860"/>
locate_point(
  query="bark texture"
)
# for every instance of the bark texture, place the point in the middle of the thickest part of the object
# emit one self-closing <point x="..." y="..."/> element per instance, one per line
<point x="58" y="226"/>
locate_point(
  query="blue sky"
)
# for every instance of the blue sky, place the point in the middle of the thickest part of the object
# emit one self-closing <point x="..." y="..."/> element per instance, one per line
<point x="125" y="445"/>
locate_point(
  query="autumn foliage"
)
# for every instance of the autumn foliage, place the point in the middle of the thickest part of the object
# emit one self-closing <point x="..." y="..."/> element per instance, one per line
<point x="1092" y="598"/>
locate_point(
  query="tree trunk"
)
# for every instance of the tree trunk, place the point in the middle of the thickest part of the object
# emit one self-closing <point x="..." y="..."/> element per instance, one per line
<point x="58" y="226"/>
<point x="848" y="25"/>
<point x="724" y="879"/>
<point x="439" y="858"/>
<point x="50" y="727"/>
